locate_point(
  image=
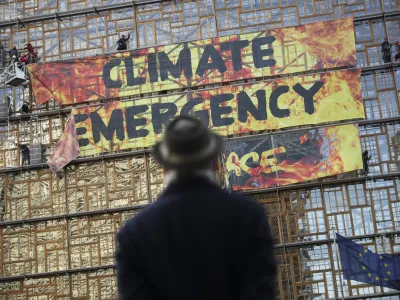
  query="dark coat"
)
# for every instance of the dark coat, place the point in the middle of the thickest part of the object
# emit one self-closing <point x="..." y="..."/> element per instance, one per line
<point x="13" y="52"/>
<point x="386" y="47"/>
<point x="197" y="242"/>
<point x="122" y="43"/>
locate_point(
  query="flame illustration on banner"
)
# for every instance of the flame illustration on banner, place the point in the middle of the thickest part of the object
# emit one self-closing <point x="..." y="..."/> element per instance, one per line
<point x="288" y="158"/>
<point x="261" y="54"/>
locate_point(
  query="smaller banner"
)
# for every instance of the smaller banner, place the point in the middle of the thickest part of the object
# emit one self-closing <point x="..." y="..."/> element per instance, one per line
<point x="288" y="158"/>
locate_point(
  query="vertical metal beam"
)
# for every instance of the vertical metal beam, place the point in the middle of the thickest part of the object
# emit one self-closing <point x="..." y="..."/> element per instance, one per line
<point x="147" y="168"/>
<point x="338" y="261"/>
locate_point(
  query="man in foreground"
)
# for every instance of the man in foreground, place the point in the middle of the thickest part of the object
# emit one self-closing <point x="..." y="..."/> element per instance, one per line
<point x="197" y="241"/>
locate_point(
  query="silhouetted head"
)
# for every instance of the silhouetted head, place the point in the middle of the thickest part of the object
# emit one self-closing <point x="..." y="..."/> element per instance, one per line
<point x="188" y="145"/>
<point x="123" y="36"/>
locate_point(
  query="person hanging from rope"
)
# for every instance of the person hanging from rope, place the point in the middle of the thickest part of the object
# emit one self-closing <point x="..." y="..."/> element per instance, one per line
<point x="122" y="42"/>
<point x="386" y="51"/>
<point x="14" y="54"/>
<point x="366" y="160"/>
<point x="9" y="104"/>
<point x="24" y="108"/>
<point x="43" y="149"/>
<point x="30" y="56"/>
<point x="2" y="55"/>
<point x="395" y="142"/>
<point x="397" y="56"/>
<point x="26" y="159"/>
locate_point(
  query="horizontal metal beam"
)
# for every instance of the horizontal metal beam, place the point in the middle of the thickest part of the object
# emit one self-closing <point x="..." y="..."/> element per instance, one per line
<point x="367" y="296"/>
<point x="252" y="192"/>
<point x="55" y="273"/>
<point x="106" y="211"/>
<point x="384" y="66"/>
<point x="330" y="241"/>
<point x="36" y="114"/>
<point x="124" y="154"/>
<point x="323" y="183"/>
<point x="77" y="12"/>
<point x="308" y="127"/>
<point x="385" y="14"/>
<point x="76" y="161"/>
<point x="111" y="7"/>
<point x="113" y="266"/>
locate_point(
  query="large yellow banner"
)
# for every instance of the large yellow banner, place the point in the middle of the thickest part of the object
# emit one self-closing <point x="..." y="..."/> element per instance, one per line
<point x="267" y="105"/>
<point x="263" y="55"/>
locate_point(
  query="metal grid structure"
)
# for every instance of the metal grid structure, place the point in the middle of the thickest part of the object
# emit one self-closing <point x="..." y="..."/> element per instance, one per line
<point x="57" y="233"/>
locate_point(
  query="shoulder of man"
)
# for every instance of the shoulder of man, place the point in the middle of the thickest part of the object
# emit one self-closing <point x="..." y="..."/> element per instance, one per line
<point x="248" y="208"/>
<point x="138" y="220"/>
<point x="248" y="205"/>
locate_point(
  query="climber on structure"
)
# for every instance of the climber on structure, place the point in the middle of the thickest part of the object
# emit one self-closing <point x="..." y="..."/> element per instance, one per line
<point x="9" y="105"/>
<point x="2" y="55"/>
<point x="24" y="108"/>
<point x="43" y="149"/>
<point x="14" y="54"/>
<point x="122" y="42"/>
<point x="30" y="56"/>
<point x="386" y="51"/>
<point x="397" y="56"/>
<point x="366" y="160"/>
<point x="25" y="155"/>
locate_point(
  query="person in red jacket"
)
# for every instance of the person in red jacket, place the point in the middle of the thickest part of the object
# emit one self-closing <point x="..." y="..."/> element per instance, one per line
<point x="29" y="47"/>
<point x="30" y="56"/>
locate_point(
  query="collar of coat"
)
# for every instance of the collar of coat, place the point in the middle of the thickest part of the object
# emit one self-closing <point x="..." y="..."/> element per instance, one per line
<point x="174" y="177"/>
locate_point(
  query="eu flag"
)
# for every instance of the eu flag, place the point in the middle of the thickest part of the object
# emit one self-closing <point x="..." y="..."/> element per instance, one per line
<point x="361" y="264"/>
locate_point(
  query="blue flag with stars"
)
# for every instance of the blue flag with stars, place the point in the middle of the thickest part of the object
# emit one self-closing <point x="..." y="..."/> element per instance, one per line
<point x="361" y="264"/>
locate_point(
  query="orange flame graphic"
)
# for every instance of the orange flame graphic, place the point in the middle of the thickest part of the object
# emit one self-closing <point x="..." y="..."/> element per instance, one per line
<point x="303" y="138"/>
<point x="342" y="155"/>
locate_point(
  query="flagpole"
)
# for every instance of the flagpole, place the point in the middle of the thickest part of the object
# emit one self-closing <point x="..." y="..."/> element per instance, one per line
<point x="338" y="261"/>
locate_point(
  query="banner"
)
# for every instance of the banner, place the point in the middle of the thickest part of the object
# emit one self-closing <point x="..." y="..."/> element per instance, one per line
<point x="288" y="158"/>
<point x="268" y="105"/>
<point x="272" y="52"/>
<point x="67" y="148"/>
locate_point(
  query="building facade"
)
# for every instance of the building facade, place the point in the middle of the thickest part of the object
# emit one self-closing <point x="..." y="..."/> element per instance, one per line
<point x="57" y="230"/>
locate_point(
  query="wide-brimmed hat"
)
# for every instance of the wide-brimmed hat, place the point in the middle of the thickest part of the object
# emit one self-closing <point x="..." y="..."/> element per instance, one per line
<point x="187" y="144"/>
